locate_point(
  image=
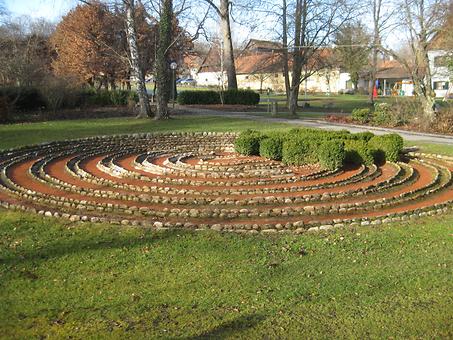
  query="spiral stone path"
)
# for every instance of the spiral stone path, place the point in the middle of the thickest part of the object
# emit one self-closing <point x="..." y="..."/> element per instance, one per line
<point x="196" y="181"/>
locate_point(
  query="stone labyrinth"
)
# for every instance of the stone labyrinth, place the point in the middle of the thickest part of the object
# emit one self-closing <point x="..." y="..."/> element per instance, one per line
<point x="196" y="181"/>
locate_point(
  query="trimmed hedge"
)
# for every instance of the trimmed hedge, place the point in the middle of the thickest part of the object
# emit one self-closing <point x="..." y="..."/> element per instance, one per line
<point x="331" y="149"/>
<point x="358" y="152"/>
<point x="248" y="143"/>
<point x="271" y="148"/>
<point x="230" y="97"/>
<point x="241" y="97"/>
<point x="198" y="97"/>
<point x="331" y="154"/>
<point x="299" y="151"/>
<point x="390" y="145"/>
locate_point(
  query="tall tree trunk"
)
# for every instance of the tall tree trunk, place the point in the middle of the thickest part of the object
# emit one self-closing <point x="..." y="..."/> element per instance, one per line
<point x="299" y="38"/>
<point x="377" y="4"/>
<point x="228" y="54"/>
<point x="131" y="33"/>
<point x="163" y="77"/>
<point x="285" y="52"/>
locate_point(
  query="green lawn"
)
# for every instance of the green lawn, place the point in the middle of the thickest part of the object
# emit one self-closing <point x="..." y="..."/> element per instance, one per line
<point x="31" y="133"/>
<point x="59" y="279"/>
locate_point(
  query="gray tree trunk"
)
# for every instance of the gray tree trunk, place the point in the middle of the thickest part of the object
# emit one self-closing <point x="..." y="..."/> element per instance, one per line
<point x="285" y="52"/>
<point x="228" y="54"/>
<point x="163" y="77"/>
<point x="299" y="34"/>
<point x="137" y="70"/>
<point x="377" y="4"/>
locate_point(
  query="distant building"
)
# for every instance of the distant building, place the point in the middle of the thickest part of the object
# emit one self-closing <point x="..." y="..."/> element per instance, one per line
<point x="259" y="67"/>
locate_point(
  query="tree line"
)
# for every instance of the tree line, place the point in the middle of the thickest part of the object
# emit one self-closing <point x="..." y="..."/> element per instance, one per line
<point x="108" y="43"/>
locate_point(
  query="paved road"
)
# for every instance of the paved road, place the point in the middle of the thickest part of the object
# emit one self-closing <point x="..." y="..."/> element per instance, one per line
<point x="321" y="124"/>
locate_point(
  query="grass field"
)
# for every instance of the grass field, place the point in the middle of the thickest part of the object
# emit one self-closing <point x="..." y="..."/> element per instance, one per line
<point x="59" y="279"/>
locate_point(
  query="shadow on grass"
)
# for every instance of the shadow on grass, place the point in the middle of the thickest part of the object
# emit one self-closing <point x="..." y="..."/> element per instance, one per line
<point x="77" y="245"/>
<point x="230" y="328"/>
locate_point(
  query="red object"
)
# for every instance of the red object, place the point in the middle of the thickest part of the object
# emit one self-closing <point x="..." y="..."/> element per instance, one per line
<point x="374" y="91"/>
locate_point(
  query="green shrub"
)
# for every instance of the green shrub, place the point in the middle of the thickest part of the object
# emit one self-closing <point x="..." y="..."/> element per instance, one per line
<point x="230" y="97"/>
<point x="382" y="114"/>
<point x="331" y="154"/>
<point x="299" y="151"/>
<point x="241" y="97"/>
<point x="358" y="152"/>
<point x="271" y="148"/>
<point x="92" y="97"/>
<point x="389" y="145"/>
<point x="198" y="97"/>
<point x="248" y="143"/>
<point x="365" y="136"/>
<point x="361" y="115"/>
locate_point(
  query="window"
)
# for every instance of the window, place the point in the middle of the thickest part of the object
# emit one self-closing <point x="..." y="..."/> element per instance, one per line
<point x="440" y="85"/>
<point x="276" y="75"/>
<point x="440" y="61"/>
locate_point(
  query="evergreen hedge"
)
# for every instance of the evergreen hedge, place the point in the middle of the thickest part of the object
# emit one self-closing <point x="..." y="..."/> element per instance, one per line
<point x="391" y="145"/>
<point x="271" y="148"/>
<point x="331" y="154"/>
<point x="230" y="97"/>
<point x="331" y="149"/>
<point x="248" y="143"/>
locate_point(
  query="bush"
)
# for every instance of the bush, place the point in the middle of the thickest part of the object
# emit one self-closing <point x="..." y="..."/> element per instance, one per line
<point x="271" y="148"/>
<point x="361" y="115"/>
<point x="230" y="97"/>
<point x="389" y="145"/>
<point x="92" y="97"/>
<point x="198" y="97"/>
<point x="331" y="149"/>
<point x="299" y="151"/>
<point x="444" y="120"/>
<point x="248" y="143"/>
<point x="3" y="110"/>
<point x="241" y="97"/>
<point x="358" y="152"/>
<point x="382" y="114"/>
<point x="23" y="98"/>
<point x="331" y="154"/>
<point x="365" y="136"/>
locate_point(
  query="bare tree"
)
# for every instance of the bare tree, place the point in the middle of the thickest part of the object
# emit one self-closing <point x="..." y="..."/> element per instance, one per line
<point x="382" y="14"/>
<point x="315" y="23"/>
<point x="285" y="57"/>
<point x="422" y="19"/>
<point x="223" y="11"/>
<point x="137" y="68"/>
<point x="162" y="60"/>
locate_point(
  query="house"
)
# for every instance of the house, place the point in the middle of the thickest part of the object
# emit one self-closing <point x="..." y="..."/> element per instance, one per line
<point x="393" y="79"/>
<point x="437" y="55"/>
<point x="259" y="67"/>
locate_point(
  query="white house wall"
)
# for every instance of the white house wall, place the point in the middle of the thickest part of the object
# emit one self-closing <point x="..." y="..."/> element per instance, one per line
<point x="438" y="73"/>
<point x="208" y="78"/>
<point x="275" y="81"/>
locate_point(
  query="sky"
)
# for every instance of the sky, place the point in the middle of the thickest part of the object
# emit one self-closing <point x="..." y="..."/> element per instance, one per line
<point x="52" y="10"/>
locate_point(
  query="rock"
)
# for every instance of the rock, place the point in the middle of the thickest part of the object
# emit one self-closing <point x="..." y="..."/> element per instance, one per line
<point x="158" y="224"/>
<point x="217" y="227"/>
